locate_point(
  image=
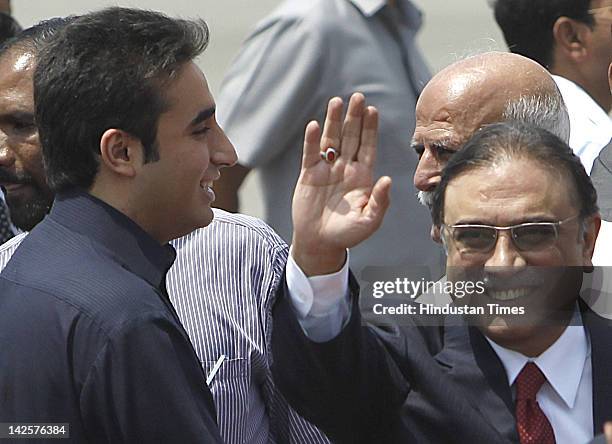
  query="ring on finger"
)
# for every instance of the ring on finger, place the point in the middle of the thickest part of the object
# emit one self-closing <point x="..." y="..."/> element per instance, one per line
<point x="329" y="155"/>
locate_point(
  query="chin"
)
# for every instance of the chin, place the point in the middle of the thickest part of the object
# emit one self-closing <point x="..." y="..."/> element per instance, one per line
<point x="506" y="335"/>
<point x="203" y="219"/>
<point x="208" y="218"/>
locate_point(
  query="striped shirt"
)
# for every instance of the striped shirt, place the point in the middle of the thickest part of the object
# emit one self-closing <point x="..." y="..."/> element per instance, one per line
<point x="223" y="285"/>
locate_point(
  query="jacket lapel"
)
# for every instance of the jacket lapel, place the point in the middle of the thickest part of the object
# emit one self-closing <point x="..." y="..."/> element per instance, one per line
<point x="477" y="371"/>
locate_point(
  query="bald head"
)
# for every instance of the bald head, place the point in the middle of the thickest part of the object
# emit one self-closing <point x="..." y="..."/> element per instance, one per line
<point x="479" y="90"/>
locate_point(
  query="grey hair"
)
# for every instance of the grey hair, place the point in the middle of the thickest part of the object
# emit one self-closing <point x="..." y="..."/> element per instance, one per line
<point x="546" y="111"/>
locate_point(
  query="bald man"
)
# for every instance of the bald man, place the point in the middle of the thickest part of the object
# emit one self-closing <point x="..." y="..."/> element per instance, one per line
<point x="470" y="93"/>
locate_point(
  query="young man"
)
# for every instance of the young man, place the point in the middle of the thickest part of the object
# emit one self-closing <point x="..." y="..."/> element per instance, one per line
<point x="131" y="160"/>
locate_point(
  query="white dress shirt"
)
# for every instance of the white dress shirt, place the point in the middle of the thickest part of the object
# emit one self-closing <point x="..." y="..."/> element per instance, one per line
<point x="590" y="126"/>
<point x="322" y="318"/>
<point x="602" y="256"/>
<point x="566" y="398"/>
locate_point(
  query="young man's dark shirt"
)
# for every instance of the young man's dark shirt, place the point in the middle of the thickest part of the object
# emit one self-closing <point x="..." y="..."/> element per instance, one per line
<point x="88" y="337"/>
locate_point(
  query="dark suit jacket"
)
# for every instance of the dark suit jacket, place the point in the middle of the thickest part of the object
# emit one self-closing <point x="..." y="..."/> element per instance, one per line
<point x="88" y="336"/>
<point x="411" y="383"/>
<point x="601" y="175"/>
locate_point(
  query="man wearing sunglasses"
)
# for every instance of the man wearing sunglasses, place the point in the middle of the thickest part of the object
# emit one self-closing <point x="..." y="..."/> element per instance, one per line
<point x="522" y="361"/>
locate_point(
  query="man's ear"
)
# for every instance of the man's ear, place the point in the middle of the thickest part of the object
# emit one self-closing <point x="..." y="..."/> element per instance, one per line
<point x="570" y="39"/>
<point x="120" y="152"/>
<point x="589" y="236"/>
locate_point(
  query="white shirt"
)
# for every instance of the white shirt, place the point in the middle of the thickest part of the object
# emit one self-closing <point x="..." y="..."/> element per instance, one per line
<point x="590" y="126"/>
<point x="321" y="318"/>
<point x="602" y="256"/>
<point x="566" y="398"/>
<point x="597" y="286"/>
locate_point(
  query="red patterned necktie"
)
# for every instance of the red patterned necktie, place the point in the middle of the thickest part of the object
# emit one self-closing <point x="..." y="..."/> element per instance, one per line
<point x="532" y="424"/>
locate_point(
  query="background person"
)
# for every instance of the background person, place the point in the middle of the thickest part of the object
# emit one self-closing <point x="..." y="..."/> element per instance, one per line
<point x="468" y="94"/>
<point x="8" y="28"/>
<point x="571" y="38"/>
<point x="287" y="69"/>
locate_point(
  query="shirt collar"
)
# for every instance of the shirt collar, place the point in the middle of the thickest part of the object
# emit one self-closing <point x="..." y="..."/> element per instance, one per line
<point x="563" y="370"/>
<point x="571" y="90"/>
<point x="369" y="7"/>
<point x="116" y="233"/>
<point x="411" y="15"/>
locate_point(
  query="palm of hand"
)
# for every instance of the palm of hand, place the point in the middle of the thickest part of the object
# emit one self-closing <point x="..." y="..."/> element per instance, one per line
<point x="335" y="204"/>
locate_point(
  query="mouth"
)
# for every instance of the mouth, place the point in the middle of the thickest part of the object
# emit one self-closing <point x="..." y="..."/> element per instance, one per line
<point x="207" y="187"/>
<point x="508" y="294"/>
<point x="12" y="187"/>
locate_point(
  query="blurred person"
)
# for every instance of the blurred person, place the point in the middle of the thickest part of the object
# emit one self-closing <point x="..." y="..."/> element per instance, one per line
<point x="295" y="59"/>
<point x="515" y="206"/>
<point x="602" y="179"/>
<point x="8" y="28"/>
<point x="601" y="278"/>
<point x="486" y="88"/>
<point x="222" y="283"/>
<point x="571" y="38"/>
<point x="5" y="6"/>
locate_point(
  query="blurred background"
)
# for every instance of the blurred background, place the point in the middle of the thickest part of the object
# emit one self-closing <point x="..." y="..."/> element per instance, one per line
<point x="452" y="30"/>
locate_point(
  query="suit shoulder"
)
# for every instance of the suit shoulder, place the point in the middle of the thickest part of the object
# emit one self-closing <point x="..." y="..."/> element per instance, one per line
<point x="70" y="271"/>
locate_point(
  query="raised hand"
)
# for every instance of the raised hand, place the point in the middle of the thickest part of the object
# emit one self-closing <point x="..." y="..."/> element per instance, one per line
<point x="336" y="205"/>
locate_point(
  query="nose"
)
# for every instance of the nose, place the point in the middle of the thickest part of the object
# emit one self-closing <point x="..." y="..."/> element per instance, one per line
<point x="428" y="171"/>
<point x="505" y="258"/>
<point x="224" y="154"/>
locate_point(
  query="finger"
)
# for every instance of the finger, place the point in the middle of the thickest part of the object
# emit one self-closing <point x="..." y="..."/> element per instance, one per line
<point x="379" y="201"/>
<point x="332" y="128"/>
<point x="351" y="129"/>
<point x="608" y="431"/>
<point x="311" y="153"/>
<point x="369" y="137"/>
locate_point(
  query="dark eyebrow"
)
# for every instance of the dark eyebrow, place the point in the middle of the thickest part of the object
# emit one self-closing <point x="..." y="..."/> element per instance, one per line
<point x="203" y="115"/>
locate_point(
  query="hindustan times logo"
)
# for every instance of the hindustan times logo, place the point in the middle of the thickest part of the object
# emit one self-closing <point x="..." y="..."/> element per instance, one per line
<point x="413" y="289"/>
